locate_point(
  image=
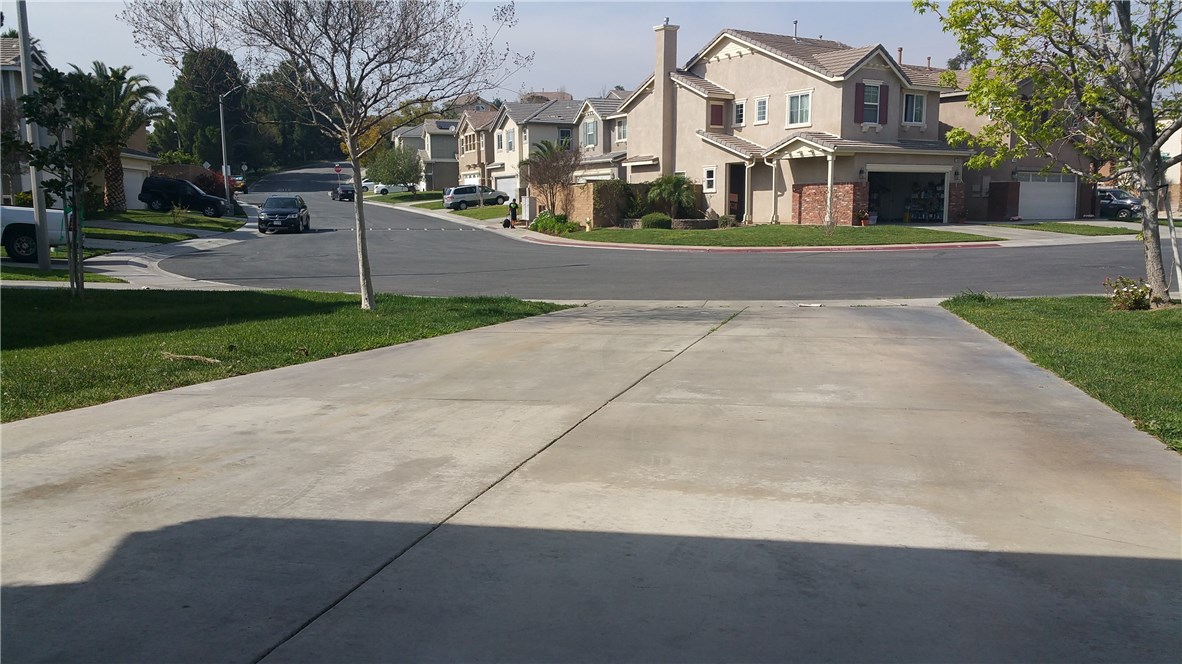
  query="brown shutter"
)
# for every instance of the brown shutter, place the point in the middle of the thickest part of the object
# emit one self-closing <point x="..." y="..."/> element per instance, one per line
<point x="859" y="102"/>
<point x="883" y="104"/>
<point x="716" y="115"/>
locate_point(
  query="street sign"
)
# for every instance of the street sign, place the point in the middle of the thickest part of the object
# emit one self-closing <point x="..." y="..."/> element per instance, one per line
<point x="243" y="168"/>
<point x="337" y="168"/>
<point x="206" y="165"/>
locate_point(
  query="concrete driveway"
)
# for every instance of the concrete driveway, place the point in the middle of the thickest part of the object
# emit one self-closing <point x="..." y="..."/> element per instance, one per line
<point x="617" y="482"/>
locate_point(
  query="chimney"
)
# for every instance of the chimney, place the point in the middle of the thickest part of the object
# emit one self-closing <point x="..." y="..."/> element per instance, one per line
<point x="666" y="62"/>
<point x="929" y="62"/>
<point x="900" y="55"/>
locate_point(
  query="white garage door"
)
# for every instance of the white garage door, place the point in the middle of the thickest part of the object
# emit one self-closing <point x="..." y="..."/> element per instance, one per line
<point x="471" y="179"/>
<point x="1050" y="196"/>
<point x="132" y="182"/>
<point x="507" y="185"/>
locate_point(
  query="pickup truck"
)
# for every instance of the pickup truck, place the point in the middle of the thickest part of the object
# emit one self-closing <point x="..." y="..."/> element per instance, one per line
<point x="19" y="233"/>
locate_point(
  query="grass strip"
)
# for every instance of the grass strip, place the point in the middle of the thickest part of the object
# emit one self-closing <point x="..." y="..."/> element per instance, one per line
<point x="59" y="253"/>
<point x="95" y="233"/>
<point x="770" y="235"/>
<point x="486" y="212"/>
<point x="408" y="196"/>
<point x="430" y="205"/>
<point x="181" y="220"/>
<point x="60" y="354"/>
<point x="1073" y="229"/>
<point x="1130" y="360"/>
<point x="13" y="273"/>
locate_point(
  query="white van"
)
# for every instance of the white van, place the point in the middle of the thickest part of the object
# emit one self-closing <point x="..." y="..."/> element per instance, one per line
<point x="20" y="231"/>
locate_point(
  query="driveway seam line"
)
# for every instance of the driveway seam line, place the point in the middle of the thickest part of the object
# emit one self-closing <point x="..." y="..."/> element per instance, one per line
<point x="332" y="605"/>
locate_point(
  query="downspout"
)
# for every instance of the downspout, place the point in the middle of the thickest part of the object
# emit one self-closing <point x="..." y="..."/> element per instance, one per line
<point x="829" y="189"/>
<point x="747" y="194"/>
<point x="774" y="163"/>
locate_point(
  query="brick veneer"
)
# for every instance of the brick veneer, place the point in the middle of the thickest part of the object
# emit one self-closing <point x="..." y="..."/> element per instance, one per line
<point x="808" y="202"/>
<point x="956" y="201"/>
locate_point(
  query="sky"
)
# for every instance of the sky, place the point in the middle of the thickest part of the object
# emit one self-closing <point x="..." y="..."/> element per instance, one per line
<point x="583" y="48"/>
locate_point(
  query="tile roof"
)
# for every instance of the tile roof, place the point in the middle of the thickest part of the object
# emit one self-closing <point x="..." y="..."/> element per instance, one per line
<point x="470" y="99"/>
<point x="519" y="112"/>
<point x="845" y="145"/>
<point x="700" y="85"/>
<point x="10" y="53"/>
<point x="481" y="119"/>
<point x="837" y="63"/>
<point x="558" y="112"/>
<point x="604" y="107"/>
<point x="923" y="75"/>
<point x="441" y="126"/>
<point x="620" y="95"/>
<point x="604" y="158"/>
<point x="640" y="158"/>
<point x="409" y="131"/>
<point x="740" y="146"/>
<point x="550" y="96"/>
<point x="801" y="50"/>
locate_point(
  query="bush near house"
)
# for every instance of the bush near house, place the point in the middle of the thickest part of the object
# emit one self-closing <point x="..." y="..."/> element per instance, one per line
<point x="656" y="220"/>
<point x="554" y="224"/>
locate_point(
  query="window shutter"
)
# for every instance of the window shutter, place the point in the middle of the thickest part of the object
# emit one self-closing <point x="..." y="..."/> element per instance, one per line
<point x="883" y="104"/>
<point x="716" y="111"/>
<point x="859" y="102"/>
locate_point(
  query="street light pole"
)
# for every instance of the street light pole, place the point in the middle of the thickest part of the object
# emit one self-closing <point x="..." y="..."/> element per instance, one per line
<point x="225" y="161"/>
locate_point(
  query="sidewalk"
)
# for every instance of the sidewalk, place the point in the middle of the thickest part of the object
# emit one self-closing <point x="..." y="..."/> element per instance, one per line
<point x="681" y="481"/>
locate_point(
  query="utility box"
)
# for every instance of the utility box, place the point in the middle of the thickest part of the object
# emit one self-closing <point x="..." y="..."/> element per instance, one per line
<point x="529" y="208"/>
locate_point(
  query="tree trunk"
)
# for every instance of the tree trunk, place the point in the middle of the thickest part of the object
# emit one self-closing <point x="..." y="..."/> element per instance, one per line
<point x="74" y="237"/>
<point x="359" y="216"/>
<point x="1155" y="272"/>
<point x="115" y="198"/>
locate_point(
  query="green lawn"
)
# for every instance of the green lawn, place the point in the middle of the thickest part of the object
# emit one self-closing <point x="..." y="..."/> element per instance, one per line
<point x="486" y="212"/>
<point x="430" y="205"/>
<point x="407" y="196"/>
<point x="768" y="235"/>
<point x="1130" y="360"/>
<point x="60" y="354"/>
<point x="95" y="233"/>
<point x="183" y="220"/>
<point x="13" y="273"/>
<point x="1073" y="229"/>
<point x="57" y="253"/>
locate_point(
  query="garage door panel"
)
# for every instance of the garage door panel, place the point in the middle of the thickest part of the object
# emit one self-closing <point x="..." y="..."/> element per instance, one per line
<point x="1046" y="200"/>
<point x="507" y="185"/>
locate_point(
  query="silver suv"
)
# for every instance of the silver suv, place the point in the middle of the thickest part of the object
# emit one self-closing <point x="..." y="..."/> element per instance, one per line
<point x="465" y="196"/>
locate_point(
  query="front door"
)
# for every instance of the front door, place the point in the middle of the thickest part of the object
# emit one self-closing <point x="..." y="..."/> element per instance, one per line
<point x="736" y="191"/>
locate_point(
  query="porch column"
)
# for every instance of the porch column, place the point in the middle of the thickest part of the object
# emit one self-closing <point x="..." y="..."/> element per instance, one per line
<point x="747" y="194"/>
<point x="775" y="197"/>
<point x="829" y="189"/>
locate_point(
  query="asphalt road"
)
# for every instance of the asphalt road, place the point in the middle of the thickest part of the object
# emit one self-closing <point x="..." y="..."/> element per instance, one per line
<point x="420" y="255"/>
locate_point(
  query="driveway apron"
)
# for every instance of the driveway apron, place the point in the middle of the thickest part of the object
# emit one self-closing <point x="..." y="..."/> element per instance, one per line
<point x="672" y="482"/>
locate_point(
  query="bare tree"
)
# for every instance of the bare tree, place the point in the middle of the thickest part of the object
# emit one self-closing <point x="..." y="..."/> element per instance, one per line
<point x="550" y="170"/>
<point x="371" y="59"/>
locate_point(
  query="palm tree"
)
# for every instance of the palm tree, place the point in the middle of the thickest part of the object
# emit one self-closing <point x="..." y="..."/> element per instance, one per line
<point x="676" y="191"/>
<point x="129" y="103"/>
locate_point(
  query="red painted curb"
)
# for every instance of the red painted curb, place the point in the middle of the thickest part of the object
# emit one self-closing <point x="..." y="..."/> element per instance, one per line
<point x="758" y="250"/>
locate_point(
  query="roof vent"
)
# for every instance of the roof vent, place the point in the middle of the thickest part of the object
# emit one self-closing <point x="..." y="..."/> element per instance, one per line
<point x="794" y="22"/>
<point x="900" y="55"/>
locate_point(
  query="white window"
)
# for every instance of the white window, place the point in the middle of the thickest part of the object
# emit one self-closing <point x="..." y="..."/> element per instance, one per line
<point x="590" y="133"/>
<point x="564" y="138"/>
<point x="509" y="136"/>
<point x="761" y="110"/>
<point x="622" y="130"/>
<point x="500" y="143"/>
<point x="913" y="109"/>
<point x="870" y="104"/>
<point x="708" y="179"/>
<point x="800" y="108"/>
<point x="740" y="112"/>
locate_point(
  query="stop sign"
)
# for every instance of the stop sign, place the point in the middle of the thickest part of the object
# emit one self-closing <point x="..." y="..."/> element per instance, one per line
<point x="338" y="168"/>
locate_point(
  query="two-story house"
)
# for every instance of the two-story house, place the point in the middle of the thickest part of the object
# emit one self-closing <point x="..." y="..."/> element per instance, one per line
<point x="474" y="146"/>
<point x="435" y="142"/>
<point x="783" y="129"/>
<point x="11" y="89"/>
<point x="602" y="135"/>
<point x="518" y="129"/>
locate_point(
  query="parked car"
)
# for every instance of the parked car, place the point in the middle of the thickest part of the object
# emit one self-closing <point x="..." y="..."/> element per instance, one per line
<point x="465" y="196"/>
<point x="160" y="193"/>
<point x="382" y="189"/>
<point x="1118" y="203"/>
<point x="344" y="192"/>
<point x="238" y="183"/>
<point x="20" y="232"/>
<point x="284" y="212"/>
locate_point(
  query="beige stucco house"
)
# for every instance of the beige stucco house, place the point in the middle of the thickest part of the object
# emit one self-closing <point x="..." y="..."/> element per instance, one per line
<point x="602" y="139"/>
<point x="474" y="149"/>
<point x="781" y="129"/>
<point x="518" y="129"/>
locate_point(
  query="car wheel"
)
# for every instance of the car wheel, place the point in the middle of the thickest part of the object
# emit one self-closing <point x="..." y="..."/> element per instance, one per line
<point x="156" y="203"/>
<point x="1124" y="214"/>
<point x="384" y="192"/>
<point x="262" y="229"/>
<point x="211" y="210"/>
<point x="21" y="245"/>
<point x="462" y="205"/>
<point x="500" y="200"/>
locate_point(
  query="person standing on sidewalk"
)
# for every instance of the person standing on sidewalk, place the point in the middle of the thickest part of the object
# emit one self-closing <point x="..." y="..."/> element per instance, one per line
<point x="513" y="212"/>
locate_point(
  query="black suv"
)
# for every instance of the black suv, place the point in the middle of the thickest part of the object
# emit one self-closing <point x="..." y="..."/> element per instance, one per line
<point x="344" y="192"/>
<point x="1118" y="203"/>
<point x="161" y="193"/>
<point x="284" y="211"/>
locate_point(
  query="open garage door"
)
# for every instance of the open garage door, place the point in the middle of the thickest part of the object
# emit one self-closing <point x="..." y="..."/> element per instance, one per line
<point x="1051" y="196"/>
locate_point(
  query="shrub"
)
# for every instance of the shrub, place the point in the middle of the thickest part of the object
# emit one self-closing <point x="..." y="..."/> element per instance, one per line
<point x="212" y="183"/>
<point x="178" y="157"/>
<point x="92" y="200"/>
<point x="656" y="220"/>
<point x="552" y="224"/>
<point x="611" y="200"/>
<point x="25" y="199"/>
<point x="727" y="221"/>
<point x="1129" y="295"/>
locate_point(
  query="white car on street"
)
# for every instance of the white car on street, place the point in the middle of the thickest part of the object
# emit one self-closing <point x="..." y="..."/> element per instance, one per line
<point x="379" y="188"/>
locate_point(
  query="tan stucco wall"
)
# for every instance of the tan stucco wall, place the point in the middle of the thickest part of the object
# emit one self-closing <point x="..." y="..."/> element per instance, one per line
<point x="644" y="131"/>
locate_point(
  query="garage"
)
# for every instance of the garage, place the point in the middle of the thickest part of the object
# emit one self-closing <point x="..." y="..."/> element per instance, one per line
<point x="1050" y="196"/>
<point x="908" y="194"/>
<point x="507" y="185"/>
<point x="470" y="178"/>
<point x="133" y="180"/>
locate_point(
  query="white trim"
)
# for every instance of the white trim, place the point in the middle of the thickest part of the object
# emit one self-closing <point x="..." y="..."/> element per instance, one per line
<point x="872" y="81"/>
<point x="788" y="108"/>
<point x="767" y="110"/>
<point x="706" y="188"/>
<point x="735" y="109"/>
<point x="923" y="122"/>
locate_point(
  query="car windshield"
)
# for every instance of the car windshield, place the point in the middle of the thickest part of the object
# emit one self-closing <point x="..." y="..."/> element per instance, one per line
<point x="278" y="202"/>
<point x="346" y="187"/>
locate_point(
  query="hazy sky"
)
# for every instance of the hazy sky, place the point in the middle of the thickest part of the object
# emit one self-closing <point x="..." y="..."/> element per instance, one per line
<point x="582" y="47"/>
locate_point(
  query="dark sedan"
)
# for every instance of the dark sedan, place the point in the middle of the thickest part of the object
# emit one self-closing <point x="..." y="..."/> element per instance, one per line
<point x="284" y="212"/>
<point x="344" y="192"/>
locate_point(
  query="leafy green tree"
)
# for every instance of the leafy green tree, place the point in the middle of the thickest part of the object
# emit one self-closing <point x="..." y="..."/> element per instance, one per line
<point x="164" y="136"/>
<point x="397" y="165"/>
<point x="549" y="172"/>
<point x="676" y="191"/>
<point x="281" y="124"/>
<point x="128" y="102"/>
<point x="1104" y="77"/>
<point x="204" y="76"/>
<point x="70" y="108"/>
<point x="177" y="157"/>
